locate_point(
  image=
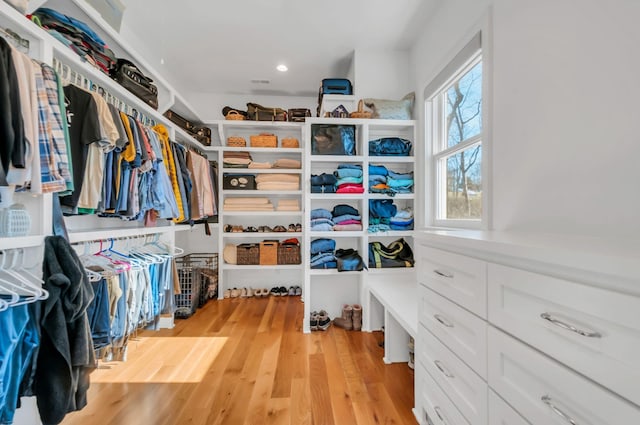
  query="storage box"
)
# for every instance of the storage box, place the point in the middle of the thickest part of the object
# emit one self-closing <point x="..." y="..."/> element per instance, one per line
<point x="264" y="140"/>
<point x="248" y="254"/>
<point x="239" y="182"/>
<point x="290" y="142"/>
<point x="289" y="254"/>
<point x="236" y="142"/>
<point x="268" y="252"/>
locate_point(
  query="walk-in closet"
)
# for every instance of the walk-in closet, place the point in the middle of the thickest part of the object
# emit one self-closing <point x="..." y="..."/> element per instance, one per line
<point x="409" y="212"/>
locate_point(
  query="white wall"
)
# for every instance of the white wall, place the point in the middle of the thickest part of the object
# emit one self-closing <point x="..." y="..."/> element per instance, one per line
<point x="381" y="74"/>
<point x="566" y="90"/>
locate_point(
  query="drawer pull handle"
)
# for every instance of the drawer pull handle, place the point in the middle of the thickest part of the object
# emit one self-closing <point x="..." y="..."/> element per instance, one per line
<point x="443" y="369"/>
<point x="443" y="274"/>
<point x="440" y="415"/>
<point x="442" y="320"/>
<point x="563" y="325"/>
<point x="549" y="402"/>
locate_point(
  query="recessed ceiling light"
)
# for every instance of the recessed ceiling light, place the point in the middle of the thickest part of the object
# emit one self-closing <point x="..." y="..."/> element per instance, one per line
<point x="282" y="68"/>
<point x="161" y="61"/>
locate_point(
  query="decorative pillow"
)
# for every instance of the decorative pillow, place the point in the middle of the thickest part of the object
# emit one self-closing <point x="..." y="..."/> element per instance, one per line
<point x="392" y="109"/>
<point x="230" y="254"/>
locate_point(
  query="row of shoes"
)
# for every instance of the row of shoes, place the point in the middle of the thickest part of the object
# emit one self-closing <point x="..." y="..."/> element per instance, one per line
<point x="263" y="229"/>
<point x="319" y="320"/>
<point x="278" y="291"/>
<point x="351" y="318"/>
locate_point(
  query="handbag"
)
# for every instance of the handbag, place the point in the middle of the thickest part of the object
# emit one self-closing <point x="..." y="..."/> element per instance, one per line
<point x="132" y="79"/>
<point x="349" y="260"/>
<point x="329" y="139"/>
<point x="298" y="114"/>
<point x="257" y="112"/>
<point x="397" y="254"/>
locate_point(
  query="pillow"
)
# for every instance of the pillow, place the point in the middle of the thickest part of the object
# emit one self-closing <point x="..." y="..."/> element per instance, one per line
<point x="392" y="109"/>
<point x="230" y="254"/>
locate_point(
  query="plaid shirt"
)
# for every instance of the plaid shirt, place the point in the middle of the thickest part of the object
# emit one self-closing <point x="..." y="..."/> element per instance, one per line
<point x="51" y="179"/>
<point x="57" y="138"/>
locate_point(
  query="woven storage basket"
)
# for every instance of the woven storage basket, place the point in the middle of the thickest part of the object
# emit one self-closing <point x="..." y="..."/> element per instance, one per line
<point x="290" y="142"/>
<point x="268" y="252"/>
<point x="264" y="140"/>
<point x="248" y="254"/>
<point x="236" y="142"/>
<point x="289" y="254"/>
<point x="234" y="116"/>
<point x="360" y="113"/>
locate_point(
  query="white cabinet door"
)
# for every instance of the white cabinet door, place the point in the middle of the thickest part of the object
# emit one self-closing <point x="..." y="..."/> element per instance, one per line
<point x="434" y="407"/>
<point x="592" y="330"/>
<point x="548" y="393"/>
<point x="462" y="332"/>
<point x="500" y="413"/>
<point x="461" y="279"/>
<point x="463" y="386"/>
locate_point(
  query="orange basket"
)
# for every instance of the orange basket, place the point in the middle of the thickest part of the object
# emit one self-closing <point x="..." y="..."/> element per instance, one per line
<point x="234" y="116"/>
<point x="264" y="140"/>
<point x="236" y="142"/>
<point x="360" y="113"/>
<point x="290" y="143"/>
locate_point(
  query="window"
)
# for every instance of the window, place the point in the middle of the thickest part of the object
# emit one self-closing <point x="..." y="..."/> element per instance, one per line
<point x="455" y="132"/>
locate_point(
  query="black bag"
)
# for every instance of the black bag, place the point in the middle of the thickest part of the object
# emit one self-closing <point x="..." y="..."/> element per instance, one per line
<point x="396" y="254"/>
<point x="132" y="79"/>
<point x="298" y="114"/>
<point x="257" y="112"/>
<point x="349" y="260"/>
<point x="330" y="139"/>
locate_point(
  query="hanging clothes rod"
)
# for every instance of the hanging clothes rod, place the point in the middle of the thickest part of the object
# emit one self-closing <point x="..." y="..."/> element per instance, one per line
<point x="15" y="39"/>
<point x="68" y="75"/>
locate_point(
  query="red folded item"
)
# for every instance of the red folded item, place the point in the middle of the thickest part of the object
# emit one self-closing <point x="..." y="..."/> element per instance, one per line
<point x="342" y="223"/>
<point x="350" y="188"/>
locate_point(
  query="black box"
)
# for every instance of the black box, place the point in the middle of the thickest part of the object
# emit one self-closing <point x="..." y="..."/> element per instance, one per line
<point x="239" y="182"/>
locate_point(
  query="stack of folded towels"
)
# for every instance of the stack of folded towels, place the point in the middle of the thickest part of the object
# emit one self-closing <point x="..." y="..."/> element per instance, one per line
<point x="278" y="182"/>
<point x="323" y="254"/>
<point x="380" y="213"/>
<point x="323" y="183"/>
<point x="346" y="218"/>
<point x="236" y="159"/>
<point x="349" y="178"/>
<point x="403" y="220"/>
<point x="287" y="163"/>
<point x="248" y="204"/>
<point x="382" y="180"/>
<point x="321" y="220"/>
<point x="288" y="205"/>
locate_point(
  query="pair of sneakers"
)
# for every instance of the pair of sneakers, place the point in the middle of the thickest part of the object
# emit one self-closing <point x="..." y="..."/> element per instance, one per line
<point x="320" y="320"/>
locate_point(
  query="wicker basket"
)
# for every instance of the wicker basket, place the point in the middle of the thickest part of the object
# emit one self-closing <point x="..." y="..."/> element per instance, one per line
<point x="236" y="142"/>
<point x="360" y="113"/>
<point x="264" y="140"/>
<point x="290" y="142"/>
<point x="234" y="116"/>
<point x="289" y="254"/>
<point x="268" y="252"/>
<point x="248" y="254"/>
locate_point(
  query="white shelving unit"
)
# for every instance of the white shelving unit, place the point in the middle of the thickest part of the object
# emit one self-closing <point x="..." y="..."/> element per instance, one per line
<point x="259" y="276"/>
<point x="330" y="289"/>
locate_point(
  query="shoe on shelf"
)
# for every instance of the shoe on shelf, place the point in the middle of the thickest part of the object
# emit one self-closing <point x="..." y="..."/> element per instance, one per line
<point x="275" y="291"/>
<point x="283" y="291"/>
<point x="250" y="292"/>
<point x="237" y="229"/>
<point x="250" y="229"/>
<point x="265" y="229"/>
<point x="298" y="227"/>
<point x="298" y="291"/>
<point x="228" y="228"/>
<point x="279" y="229"/>
<point x="323" y="320"/>
<point x="235" y="293"/>
<point x="357" y="317"/>
<point x="264" y="292"/>
<point x="346" y="320"/>
<point x="291" y="228"/>
<point x="227" y="293"/>
<point x="313" y="321"/>
<point x="243" y="293"/>
<point x="292" y="291"/>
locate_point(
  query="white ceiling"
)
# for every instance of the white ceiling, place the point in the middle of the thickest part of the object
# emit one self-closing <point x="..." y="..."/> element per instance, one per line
<point x="220" y="46"/>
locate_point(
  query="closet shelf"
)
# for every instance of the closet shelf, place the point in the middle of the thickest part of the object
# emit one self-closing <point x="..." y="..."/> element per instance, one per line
<point x="118" y="232"/>
<point x="271" y="151"/>
<point x="397" y="196"/>
<point x="394" y="233"/>
<point x="261" y="235"/>
<point x="400" y="299"/>
<point x="21" y="242"/>
<point x="262" y="170"/>
<point x="336" y="159"/>
<point x="332" y="234"/>
<point x="184" y="137"/>
<point x="390" y="159"/>
<point x="339" y="196"/>
<point x="262" y="192"/>
<point x="262" y="267"/>
<point x="327" y="272"/>
<point x="263" y="213"/>
<point x="257" y="125"/>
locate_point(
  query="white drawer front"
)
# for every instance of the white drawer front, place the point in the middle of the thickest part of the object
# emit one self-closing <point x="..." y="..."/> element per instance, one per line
<point x="434" y="407"/>
<point x="461" y="279"/>
<point x="462" y="332"/>
<point x="547" y="393"/>
<point x="500" y="413"/>
<point x="465" y="388"/>
<point x="519" y="302"/>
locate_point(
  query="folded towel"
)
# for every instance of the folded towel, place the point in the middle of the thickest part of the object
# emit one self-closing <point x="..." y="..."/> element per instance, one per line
<point x="248" y="207"/>
<point x="279" y="178"/>
<point x="287" y="163"/>
<point x="244" y="201"/>
<point x="347" y="227"/>
<point x="277" y="186"/>
<point x="239" y="161"/>
<point x="231" y="154"/>
<point x="260" y="165"/>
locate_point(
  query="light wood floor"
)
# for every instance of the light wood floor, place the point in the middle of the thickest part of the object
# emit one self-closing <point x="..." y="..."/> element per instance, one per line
<point x="246" y="361"/>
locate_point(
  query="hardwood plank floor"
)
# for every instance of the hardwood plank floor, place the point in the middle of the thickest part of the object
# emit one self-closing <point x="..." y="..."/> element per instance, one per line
<point x="247" y="362"/>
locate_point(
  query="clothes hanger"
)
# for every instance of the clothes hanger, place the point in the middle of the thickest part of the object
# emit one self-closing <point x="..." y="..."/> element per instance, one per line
<point x="24" y="270"/>
<point x="21" y="293"/>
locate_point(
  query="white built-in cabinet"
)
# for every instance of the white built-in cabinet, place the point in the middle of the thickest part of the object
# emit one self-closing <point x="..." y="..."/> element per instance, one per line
<point x="527" y="329"/>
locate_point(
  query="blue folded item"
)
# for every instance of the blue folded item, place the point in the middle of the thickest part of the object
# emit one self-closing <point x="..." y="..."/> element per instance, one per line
<point x="349" y="180"/>
<point x="375" y="228"/>
<point x="322" y="245"/>
<point x="393" y="183"/>
<point x="321" y="213"/>
<point x="345" y="217"/>
<point x="315" y="221"/>
<point x="328" y="265"/>
<point x="347" y="172"/>
<point x="322" y="227"/>
<point x="380" y="170"/>
<point x="350" y="166"/>
<point x="394" y="175"/>
<point x="323" y="189"/>
<point x="375" y="179"/>
<point x="382" y="208"/>
<point x="72" y="22"/>
<point x="398" y="227"/>
<point x="322" y="258"/>
<point x="389" y="146"/>
<point x="323" y="179"/>
<point x="342" y="209"/>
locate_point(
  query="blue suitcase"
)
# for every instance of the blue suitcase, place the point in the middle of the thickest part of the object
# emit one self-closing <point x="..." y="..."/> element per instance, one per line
<point x="336" y="86"/>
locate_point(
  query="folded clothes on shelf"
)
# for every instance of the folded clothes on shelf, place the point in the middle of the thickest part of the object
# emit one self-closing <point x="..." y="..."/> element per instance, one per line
<point x="260" y="165"/>
<point x="342" y="209"/>
<point x="288" y="205"/>
<point x="349" y="180"/>
<point x="389" y="146"/>
<point x="287" y="163"/>
<point x="379" y="170"/>
<point x="322" y="245"/>
<point x="350" y="188"/>
<point x="278" y="182"/>
<point x="347" y="217"/>
<point x="381" y="208"/>
<point x="321" y="213"/>
<point x="248" y="204"/>
<point x="342" y="173"/>
<point x="351" y="227"/>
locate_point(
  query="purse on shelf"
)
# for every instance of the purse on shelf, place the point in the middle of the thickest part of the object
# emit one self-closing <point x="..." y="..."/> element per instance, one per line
<point x="330" y="139"/>
<point x="128" y="75"/>
<point x="257" y="112"/>
<point x="349" y="260"/>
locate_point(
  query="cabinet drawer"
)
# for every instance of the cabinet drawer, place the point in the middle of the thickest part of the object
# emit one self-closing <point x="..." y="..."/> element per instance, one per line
<point x="462" y="332"/>
<point x="466" y="389"/>
<point x="592" y="330"/>
<point x="500" y="413"/>
<point x="434" y="407"/>
<point x="546" y="392"/>
<point x="461" y="279"/>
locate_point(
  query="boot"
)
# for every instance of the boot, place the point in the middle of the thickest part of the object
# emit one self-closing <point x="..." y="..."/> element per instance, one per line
<point x="357" y="317"/>
<point x="346" y="321"/>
